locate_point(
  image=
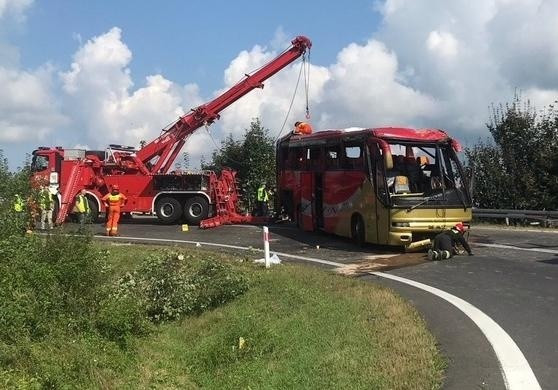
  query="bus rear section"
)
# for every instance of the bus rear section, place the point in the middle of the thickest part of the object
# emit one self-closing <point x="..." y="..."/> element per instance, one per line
<point x="390" y="186"/>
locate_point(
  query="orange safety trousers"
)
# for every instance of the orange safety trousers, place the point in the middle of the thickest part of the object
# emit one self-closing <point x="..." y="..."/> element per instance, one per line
<point x="112" y="220"/>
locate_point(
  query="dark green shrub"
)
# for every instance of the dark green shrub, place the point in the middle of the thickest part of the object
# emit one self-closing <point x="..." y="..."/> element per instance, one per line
<point x="172" y="285"/>
<point x="120" y="318"/>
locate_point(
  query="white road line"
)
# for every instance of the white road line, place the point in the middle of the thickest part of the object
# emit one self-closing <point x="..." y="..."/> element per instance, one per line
<point x="312" y="259"/>
<point x="501" y="246"/>
<point x="516" y="371"/>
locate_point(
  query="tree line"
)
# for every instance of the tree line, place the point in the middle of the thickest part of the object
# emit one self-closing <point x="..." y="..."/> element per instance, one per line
<point x="518" y="168"/>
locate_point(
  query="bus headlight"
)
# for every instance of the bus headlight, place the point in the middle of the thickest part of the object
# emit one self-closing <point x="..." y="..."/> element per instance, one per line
<point x="400" y="224"/>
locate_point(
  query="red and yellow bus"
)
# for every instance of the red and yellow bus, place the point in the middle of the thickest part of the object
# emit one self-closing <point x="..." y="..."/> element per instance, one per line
<point x="390" y="186"/>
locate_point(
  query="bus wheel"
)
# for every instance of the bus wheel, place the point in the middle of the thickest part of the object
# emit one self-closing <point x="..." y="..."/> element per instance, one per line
<point x="168" y="210"/>
<point x="357" y="230"/>
<point x="196" y="209"/>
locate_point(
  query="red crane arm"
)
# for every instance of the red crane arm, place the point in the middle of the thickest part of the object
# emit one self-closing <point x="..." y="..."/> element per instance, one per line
<point x="169" y="143"/>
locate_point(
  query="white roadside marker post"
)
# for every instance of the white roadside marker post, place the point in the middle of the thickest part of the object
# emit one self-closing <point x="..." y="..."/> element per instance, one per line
<point x="266" y="246"/>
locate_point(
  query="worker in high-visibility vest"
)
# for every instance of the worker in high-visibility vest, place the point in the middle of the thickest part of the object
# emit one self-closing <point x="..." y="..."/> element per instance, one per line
<point x="302" y="128"/>
<point x="21" y="214"/>
<point x="262" y="198"/>
<point x="46" y="205"/>
<point x="19" y="205"/>
<point x="81" y="208"/>
<point x="113" y="201"/>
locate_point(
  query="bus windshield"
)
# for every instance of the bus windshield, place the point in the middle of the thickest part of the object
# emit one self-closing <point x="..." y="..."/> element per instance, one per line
<point x="425" y="175"/>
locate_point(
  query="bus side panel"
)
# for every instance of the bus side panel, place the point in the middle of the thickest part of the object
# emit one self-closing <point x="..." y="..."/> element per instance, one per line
<point x="306" y="200"/>
<point x="289" y="190"/>
<point x="343" y="196"/>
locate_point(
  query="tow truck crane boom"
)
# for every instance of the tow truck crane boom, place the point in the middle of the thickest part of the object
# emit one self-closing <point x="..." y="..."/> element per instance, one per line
<point x="168" y="144"/>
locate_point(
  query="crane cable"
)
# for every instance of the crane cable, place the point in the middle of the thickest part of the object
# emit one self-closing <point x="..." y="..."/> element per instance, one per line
<point x="293" y="98"/>
<point x="219" y="148"/>
<point x="307" y="85"/>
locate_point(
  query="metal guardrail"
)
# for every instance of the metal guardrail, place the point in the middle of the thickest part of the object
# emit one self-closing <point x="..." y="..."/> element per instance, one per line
<point x="546" y="218"/>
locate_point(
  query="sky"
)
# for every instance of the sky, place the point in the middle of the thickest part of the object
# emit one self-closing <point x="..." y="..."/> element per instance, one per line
<point x="87" y="74"/>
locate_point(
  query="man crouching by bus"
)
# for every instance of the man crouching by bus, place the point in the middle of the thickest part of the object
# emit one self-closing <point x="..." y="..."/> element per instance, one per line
<point x="445" y="243"/>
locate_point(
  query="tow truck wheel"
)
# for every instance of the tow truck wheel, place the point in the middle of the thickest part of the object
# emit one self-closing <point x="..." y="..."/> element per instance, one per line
<point x="93" y="210"/>
<point x="357" y="230"/>
<point x="168" y="210"/>
<point x="196" y="209"/>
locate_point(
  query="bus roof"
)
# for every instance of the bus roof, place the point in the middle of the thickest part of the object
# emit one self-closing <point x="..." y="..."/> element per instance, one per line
<point x="388" y="133"/>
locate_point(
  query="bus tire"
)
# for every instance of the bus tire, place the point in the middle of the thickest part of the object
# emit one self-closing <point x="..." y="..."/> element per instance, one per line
<point x="196" y="209"/>
<point x="168" y="210"/>
<point x="358" y="233"/>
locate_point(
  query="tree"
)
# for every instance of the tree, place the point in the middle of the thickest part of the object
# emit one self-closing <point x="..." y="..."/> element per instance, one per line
<point x="253" y="158"/>
<point x="518" y="170"/>
<point x="185" y="160"/>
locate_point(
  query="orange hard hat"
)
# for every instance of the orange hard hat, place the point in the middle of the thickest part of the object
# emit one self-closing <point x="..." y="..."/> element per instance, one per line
<point x="115" y="187"/>
<point x="460" y="227"/>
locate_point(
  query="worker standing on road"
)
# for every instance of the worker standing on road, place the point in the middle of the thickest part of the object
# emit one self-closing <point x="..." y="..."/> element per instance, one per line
<point x="113" y="201"/>
<point x="446" y="242"/>
<point x="46" y="205"/>
<point x="262" y="200"/>
<point x="302" y="128"/>
<point x="81" y="208"/>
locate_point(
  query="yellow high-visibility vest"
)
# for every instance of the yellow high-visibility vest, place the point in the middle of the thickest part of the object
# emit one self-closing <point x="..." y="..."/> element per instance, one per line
<point x="82" y="204"/>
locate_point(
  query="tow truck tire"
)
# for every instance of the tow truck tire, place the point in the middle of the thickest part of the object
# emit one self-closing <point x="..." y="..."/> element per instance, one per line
<point x="357" y="230"/>
<point x="93" y="210"/>
<point x="196" y="209"/>
<point x="168" y="210"/>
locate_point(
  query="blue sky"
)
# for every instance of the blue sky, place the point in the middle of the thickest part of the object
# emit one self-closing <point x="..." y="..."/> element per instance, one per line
<point x="86" y="74"/>
<point x="189" y="41"/>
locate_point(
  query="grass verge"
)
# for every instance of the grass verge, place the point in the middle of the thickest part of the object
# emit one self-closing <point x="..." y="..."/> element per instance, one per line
<point x="78" y="314"/>
<point x="296" y="327"/>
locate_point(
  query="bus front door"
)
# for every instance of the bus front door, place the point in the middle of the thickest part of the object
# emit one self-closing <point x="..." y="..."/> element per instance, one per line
<point x="306" y="204"/>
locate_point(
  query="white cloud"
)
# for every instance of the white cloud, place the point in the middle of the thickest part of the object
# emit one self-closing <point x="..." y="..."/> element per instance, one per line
<point x="435" y="64"/>
<point x="100" y="95"/>
<point x="28" y="109"/>
<point x="442" y="43"/>
<point x="14" y="8"/>
<point x="366" y="88"/>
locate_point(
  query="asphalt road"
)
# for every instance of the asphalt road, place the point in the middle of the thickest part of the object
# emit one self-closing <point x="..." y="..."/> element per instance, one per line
<point x="513" y="278"/>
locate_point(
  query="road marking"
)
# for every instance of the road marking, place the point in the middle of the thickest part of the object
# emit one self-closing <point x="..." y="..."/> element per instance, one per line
<point x="515" y="369"/>
<point x="501" y="246"/>
<point x="312" y="259"/>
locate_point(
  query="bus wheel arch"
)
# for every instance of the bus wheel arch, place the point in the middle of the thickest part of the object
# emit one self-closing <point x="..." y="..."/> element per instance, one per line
<point x="358" y="232"/>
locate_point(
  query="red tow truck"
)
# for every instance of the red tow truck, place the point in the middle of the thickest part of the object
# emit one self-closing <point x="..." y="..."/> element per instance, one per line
<point x="203" y="198"/>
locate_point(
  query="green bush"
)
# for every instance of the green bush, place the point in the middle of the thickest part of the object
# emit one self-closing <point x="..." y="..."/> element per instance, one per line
<point x="48" y="280"/>
<point x="173" y="285"/>
<point x="121" y="318"/>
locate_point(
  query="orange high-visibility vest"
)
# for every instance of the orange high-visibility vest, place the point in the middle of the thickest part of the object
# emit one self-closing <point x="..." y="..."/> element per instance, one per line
<point x="303" y="128"/>
<point x="114" y="201"/>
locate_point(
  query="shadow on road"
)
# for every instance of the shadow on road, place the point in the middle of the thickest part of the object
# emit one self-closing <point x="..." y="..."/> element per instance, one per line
<point x="327" y="240"/>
